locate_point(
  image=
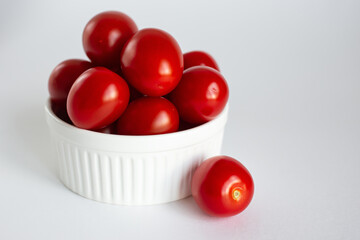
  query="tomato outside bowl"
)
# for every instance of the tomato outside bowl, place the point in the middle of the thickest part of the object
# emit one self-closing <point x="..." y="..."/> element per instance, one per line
<point x="132" y="170"/>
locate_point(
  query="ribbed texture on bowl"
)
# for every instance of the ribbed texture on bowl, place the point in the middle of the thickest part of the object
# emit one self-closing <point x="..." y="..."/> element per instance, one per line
<point x="135" y="177"/>
<point x="132" y="179"/>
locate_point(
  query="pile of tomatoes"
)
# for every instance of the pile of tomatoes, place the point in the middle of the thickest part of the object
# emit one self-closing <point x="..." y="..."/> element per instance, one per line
<point x="138" y="82"/>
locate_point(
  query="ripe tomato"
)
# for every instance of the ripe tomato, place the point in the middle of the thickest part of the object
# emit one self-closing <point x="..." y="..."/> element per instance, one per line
<point x="97" y="98"/>
<point x="201" y="94"/>
<point x="222" y="186"/>
<point x="63" y="76"/>
<point x="148" y="116"/>
<point x="104" y="36"/>
<point x="199" y="58"/>
<point x="152" y="62"/>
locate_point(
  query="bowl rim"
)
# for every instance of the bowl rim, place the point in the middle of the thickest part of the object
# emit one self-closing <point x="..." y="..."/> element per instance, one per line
<point x="185" y="137"/>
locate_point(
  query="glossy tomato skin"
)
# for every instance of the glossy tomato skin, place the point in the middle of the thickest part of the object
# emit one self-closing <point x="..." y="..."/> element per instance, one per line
<point x="63" y="76"/>
<point x="105" y="35"/>
<point x="201" y="94"/>
<point x="134" y="94"/>
<point x="97" y="98"/>
<point x="152" y="62"/>
<point x="148" y="116"/>
<point x="222" y="186"/>
<point x="199" y="58"/>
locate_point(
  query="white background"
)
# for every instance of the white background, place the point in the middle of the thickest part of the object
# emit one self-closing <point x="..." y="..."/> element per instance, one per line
<point x="294" y="73"/>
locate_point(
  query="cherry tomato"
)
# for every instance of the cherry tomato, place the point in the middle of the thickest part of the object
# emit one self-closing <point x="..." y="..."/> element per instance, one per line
<point x="201" y="94"/>
<point x="97" y="98"/>
<point x="105" y="35"/>
<point x="199" y="58"/>
<point x="222" y="186"/>
<point x="152" y="62"/>
<point x="148" y="116"/>
<point x="63" y="76"/>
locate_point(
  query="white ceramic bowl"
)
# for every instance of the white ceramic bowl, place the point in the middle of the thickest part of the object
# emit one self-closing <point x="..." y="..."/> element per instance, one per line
<point x="132" y="170"/>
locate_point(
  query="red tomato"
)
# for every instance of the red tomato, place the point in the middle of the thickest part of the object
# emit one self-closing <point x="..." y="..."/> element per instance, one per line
<point x="63" y="76"/>
<point x="104" y="36"/>
<point x="148" y="116"/>
<point x="97" y="98"/>
<point x="201" y="94"/>
<point x="199" y="58"/>
<point x="222" y="186"/>
<point x="152" y="62"/>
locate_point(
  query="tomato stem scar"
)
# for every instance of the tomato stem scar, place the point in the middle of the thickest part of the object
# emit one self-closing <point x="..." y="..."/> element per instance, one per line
<point x="236" y="194"/>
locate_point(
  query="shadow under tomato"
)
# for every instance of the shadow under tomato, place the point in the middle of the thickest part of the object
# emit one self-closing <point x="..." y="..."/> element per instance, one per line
<point x="188" y="208"/>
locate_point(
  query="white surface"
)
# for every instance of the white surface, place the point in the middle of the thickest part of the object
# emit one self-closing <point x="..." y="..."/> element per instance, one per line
<point x="294" y="71"/>
<point x="132" y="170"/>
